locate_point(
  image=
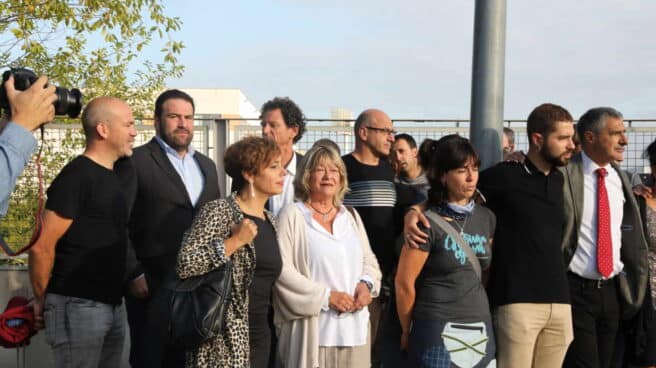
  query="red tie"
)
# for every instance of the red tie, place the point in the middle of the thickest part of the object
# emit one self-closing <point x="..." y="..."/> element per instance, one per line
<point x="604" y="242"/>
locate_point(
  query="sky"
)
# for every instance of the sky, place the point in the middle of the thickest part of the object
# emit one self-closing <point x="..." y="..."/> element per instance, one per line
<point x="413" y="59"/>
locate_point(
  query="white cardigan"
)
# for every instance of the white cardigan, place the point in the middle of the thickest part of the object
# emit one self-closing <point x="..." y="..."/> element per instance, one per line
<point x="297" y="299"/>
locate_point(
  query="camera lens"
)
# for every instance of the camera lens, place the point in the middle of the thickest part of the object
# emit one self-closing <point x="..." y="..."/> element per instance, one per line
<point x="68" y="102"/>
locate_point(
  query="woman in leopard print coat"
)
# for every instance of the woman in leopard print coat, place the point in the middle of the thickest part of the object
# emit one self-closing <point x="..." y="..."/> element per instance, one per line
<point x="219" y="233"/>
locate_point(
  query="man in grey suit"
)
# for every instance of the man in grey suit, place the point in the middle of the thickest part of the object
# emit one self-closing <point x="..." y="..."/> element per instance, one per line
<point x="603" y="243"/>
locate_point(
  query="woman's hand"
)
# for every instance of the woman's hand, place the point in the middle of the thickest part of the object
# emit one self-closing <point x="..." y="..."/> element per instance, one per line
<point x="362" y="296"/>
<point x="244" y="231"/>
<point x="341" y="302"/>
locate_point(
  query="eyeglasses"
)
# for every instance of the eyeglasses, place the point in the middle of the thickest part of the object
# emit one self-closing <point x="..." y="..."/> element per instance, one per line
<point x="384" y="130"/>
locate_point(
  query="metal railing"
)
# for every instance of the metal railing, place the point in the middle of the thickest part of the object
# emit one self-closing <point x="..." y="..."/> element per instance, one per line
<point x="212" y="135"/>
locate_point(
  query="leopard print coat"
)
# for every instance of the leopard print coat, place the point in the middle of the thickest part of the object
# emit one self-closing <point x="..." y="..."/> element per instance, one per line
<point x="203" y="251"/>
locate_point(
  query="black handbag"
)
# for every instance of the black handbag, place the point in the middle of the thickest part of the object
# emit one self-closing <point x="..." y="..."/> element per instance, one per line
<point x="188" y="312"/>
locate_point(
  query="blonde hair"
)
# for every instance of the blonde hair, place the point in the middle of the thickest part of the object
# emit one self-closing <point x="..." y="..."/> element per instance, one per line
<point x="313" y="158"/>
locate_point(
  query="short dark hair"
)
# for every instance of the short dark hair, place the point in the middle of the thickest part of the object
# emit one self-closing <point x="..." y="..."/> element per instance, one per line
<point x="171" y="94"/>
<point x="543" y="119"/>
<point x="650" y="154"/>
<point x="448" y="153"/>
<point x="408" y="138"/>
<point x="291" y="113"/>
<point x="510" y="134"/>
<point x="249" y="154"/>
<point x="595" y="119"/>
<point x="425" y="153"/>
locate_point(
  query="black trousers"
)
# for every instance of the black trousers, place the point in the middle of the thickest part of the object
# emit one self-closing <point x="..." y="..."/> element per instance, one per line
<point x="146" y="347"/>
<point x="596" y="317"/>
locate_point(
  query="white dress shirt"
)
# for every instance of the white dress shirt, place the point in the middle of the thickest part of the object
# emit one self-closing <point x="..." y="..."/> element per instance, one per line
<point x="336" y="261"/>
<point x="279" y="201"/>
<point x="584" y="262"/>
<point x="188" y="169"/>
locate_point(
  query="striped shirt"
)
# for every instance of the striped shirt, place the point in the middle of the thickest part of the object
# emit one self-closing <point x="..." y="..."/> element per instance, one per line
<point x="373" y="194"/>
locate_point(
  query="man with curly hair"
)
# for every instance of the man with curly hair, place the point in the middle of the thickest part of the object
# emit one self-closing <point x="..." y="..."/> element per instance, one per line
<point x="284" y="122"/>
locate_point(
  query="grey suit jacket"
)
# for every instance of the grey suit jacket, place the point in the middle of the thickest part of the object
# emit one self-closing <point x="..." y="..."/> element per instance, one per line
<point x="633" y="279"/>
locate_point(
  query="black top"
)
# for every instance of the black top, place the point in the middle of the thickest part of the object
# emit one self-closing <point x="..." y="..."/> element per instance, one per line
<point x="90" y="256"/>
<point x="373" y="194"/>
<point x="448" y="288"/>
<point x="528" y="265"/>
<point x="268" y="265"/>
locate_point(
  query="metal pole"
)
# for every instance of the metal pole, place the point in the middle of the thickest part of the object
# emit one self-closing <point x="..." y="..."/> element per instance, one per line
<point x="220" y="145"/>
<point x="487" y="80"/>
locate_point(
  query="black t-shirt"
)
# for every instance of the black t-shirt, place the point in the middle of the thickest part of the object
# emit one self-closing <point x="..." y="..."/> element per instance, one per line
<point x="528" y="265"/>
<point x="373" y="194"/>
<point x="90" y="256"/>
<point x="268" y="264"/>
<point x="448" y="288"/>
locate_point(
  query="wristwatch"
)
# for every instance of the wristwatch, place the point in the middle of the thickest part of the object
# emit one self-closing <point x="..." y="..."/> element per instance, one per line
<point x="369" y="285"/>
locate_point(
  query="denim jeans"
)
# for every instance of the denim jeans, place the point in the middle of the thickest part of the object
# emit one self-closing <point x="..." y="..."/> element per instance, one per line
<point x="83" y="332"/>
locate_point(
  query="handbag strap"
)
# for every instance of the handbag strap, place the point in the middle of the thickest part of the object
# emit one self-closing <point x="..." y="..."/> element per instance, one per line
<point x="444" y="225"/>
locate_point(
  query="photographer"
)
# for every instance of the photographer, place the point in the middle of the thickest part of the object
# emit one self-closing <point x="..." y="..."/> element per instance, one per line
<point x="29" y="109"/>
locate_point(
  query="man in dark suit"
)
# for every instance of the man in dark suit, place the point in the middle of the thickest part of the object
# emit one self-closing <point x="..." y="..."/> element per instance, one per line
<point x="603" y="243"/>
<point x="173" y="182"/>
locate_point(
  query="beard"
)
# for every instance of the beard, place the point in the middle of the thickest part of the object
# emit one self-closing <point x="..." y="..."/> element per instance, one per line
<point x="177" y="143"/>
<point x="553" y="159"/>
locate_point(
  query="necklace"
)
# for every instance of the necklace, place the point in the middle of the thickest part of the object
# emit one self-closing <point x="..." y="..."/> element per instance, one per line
<point x="324" y="215"/>
<point x="462" y="228"/>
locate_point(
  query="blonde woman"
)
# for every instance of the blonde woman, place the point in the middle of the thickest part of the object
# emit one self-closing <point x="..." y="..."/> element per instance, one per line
<point x="329" y="272"/>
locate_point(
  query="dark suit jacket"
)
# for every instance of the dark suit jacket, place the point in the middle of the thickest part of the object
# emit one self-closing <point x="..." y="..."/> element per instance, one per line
<point x="633" y="280"/>
<point x="162" y="210"/>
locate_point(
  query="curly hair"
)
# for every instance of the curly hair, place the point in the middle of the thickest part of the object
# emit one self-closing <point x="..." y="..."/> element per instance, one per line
<point x="250" y="154"/>
<point x="292" y="114"/>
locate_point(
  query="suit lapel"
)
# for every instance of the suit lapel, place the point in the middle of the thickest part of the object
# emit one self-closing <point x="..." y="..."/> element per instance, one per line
<point x="163" y="162"/>
<point x="575" y="172"/>
<point x="204" y="193"/>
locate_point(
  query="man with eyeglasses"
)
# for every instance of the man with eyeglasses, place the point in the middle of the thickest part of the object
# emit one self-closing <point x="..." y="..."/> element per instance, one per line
<point x="372" y="193"/>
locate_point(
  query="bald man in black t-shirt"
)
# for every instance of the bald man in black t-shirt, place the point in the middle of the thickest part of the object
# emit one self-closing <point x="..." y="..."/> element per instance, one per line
<point x="77" y="265"/>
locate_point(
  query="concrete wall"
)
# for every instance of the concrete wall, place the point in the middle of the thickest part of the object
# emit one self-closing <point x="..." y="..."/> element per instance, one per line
<point x="14" y="280"/>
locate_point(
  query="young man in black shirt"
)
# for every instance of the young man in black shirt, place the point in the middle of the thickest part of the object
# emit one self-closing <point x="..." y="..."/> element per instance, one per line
<point x="77" y="266"/>
<point x="372" y="193"/>
<point x="528" y="286"/>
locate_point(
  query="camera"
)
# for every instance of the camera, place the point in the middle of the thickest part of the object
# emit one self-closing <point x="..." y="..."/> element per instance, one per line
<point x="69" y="102"/>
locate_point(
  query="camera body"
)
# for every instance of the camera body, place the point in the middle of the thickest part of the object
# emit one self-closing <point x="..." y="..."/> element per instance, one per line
<point x="69" y="102"/>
